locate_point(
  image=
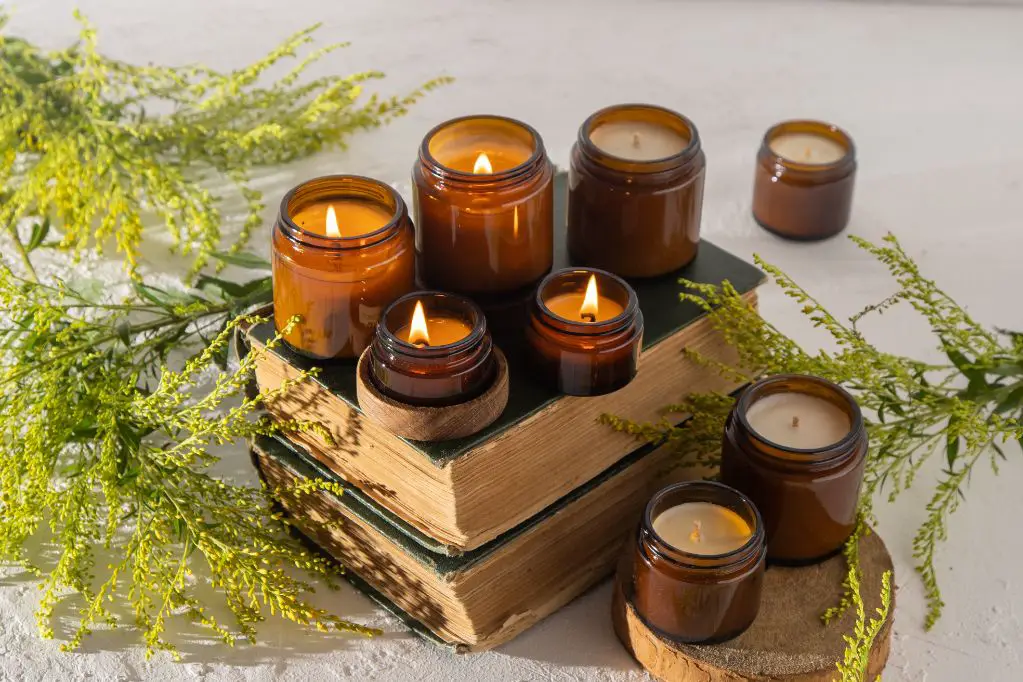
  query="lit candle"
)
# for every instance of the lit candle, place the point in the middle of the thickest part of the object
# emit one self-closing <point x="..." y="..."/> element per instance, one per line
<point x="433" y="330"/>
<point x="798" y="420"/>
<point x="588" y="306"/>
<point x="638" y="140"/>
<point x="484" y="203"/>
<point x="702" y="528"/>
<point x="807" y="148"/>
<point x="342" y="218"/>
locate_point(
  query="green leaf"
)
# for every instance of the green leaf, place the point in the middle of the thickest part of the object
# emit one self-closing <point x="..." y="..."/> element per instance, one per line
<point x="123" y="329"/>
<point x="39" y="232"/>
<point x="962" y="363"/>
<point x="951" y="445"/>
<point x="242" y="259"/>
<point x="1011" y="402"/>
<point x="162" y="297"/>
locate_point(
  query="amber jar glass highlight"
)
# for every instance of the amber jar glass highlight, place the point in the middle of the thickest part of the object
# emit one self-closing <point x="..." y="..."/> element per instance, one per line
<point x="804" y="201"/>
<point x="339" y="285"/>
<point x="488" y="235"/>
<point x="631" y="217"/>
<point x="432" y="375"/>
<point x="807" y="498"/>
<point x="695" y="598"/>
<point x="585" y="358"/>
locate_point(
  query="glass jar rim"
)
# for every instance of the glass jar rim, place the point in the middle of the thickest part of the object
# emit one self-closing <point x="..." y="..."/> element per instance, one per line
<point x="589" y="147"/>
<point x="318" y="241"/>
<point x="607" y="326"/>
<point x="709" y="561"/>
<point x="429" y="160"/>
<point x="813" y="127"/>
<point x="477" y="321"/>
<point x="809" y="455"/>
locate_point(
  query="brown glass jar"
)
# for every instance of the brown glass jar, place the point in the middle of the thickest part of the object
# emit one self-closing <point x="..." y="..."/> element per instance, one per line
<point x="339" y="281"/>
<point x="693" y="597"/>
<point x="808" y="496"/>
<point x="485" y="227"/>
<point x="584" y="351"/>
<point x="803" y="186"/>
<point x="635" y="210"/>
<point x="454" y="365"/>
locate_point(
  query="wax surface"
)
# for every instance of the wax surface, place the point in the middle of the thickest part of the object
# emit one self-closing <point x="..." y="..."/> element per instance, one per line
<point x="798" y="420"/>
<point x="442" y="330"/>
<point x="702" y="528"/>
<point x="354" y="218"/>
<point x="807" y="148"/>
<point x="638" y="140"/>
<point x="569" y="305"/>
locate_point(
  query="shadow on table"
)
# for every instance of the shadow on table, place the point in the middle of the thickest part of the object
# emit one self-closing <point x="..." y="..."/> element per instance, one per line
<point x="578" y="635"/>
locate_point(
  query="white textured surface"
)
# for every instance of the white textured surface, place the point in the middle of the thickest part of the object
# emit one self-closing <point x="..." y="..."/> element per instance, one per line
<point x="932" y="95"/>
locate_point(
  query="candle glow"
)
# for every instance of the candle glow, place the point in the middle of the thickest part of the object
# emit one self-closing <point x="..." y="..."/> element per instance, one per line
<point x="332" y="229"/>
<point x="482" y="165"/>
<point x="418" y="334"/>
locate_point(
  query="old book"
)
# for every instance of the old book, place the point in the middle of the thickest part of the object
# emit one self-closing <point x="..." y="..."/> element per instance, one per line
<point x="486" y="596"/>
<point x="464" y="493"/>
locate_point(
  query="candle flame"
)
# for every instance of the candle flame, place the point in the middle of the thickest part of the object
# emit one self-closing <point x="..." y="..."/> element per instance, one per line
<point x="696" y="535"/>
<point x="418" y="334"/>
<point x="482" y="165"/>
<point x="332" y="230"/>
<point x="588" y="310"/>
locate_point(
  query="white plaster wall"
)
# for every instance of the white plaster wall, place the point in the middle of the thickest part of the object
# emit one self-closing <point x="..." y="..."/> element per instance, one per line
<point x="932" y="93"/>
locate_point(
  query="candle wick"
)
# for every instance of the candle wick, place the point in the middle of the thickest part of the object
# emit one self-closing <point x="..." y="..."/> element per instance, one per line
<point x="588" y="317"/>
<point x="420" y="344"/>
<point x="696" y="535"/>
<point x="635" y="140"/>
<point x="809" y="152"/>
<point x="795" y="421"/>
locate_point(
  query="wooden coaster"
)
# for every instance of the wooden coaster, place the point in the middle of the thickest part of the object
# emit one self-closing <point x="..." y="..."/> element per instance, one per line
<point x="786" y="642"/>
<point x="433" y="423"/>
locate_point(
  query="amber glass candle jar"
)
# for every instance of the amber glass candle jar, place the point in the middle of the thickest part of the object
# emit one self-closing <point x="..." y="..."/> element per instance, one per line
<point x="635" y="191"/>
<point x="803" y="186"/>
<point x="695" y="569"/>
<point x="484" y="203"/>
<point x="432" y="349"/>
<point x="585" y="331"/>
<point x="342" y="250"/>
<point x="796" y="445"/>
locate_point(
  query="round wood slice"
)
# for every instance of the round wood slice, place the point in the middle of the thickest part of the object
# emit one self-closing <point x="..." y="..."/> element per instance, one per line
<point x="433" y="423"/>
<point x="786" y="642"/>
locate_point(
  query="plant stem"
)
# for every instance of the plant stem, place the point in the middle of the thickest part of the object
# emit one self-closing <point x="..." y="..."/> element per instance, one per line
<point x="31" y="269"/>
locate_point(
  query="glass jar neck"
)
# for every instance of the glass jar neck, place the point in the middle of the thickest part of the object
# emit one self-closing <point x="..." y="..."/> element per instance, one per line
<point x="355" y="187"/>
<point x="795" y="459"/>
<point x="821" y="172"/>
<point x="524" y="172"/>
<point x="656" y="548"/>
<point x="676" y="164"/>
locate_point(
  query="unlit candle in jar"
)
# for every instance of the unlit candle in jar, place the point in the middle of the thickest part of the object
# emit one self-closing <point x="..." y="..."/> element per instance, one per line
<point x="638" y="140"/>
<point x="798" y="420"/>
<point x="807" y="148"/>
<point x="702" y="528"/>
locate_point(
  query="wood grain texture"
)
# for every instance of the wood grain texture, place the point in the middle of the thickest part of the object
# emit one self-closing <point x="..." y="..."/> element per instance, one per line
<point x="786" y="642"/>
<point x="433" y="423"/>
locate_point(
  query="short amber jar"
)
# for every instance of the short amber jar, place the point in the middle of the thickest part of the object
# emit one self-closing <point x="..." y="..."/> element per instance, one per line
<point x="635" y="217"/>
<point x="808" y="497"/>
<point x="339" y="285"/>
<point x="425" y="375"/>
<point x="579" y="357"/>
<point x="485" y="230"/>
<point x="800" y="200"/>
<point x="695" y="598"/>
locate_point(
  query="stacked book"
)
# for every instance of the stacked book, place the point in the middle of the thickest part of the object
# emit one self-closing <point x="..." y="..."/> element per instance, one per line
<point x="477" y="539"/>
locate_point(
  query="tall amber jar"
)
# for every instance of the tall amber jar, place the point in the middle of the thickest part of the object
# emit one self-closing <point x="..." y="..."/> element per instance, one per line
<point x="807" y="497"/>
<point x="585" y="358"/>
<point x="695" y="598"/>
<point x="635" y="217"/>
<point x="799" y="200"/>
<point x="339" y="285"/>
<point x="429" y="375"/>
<point x="485" y="229"/>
